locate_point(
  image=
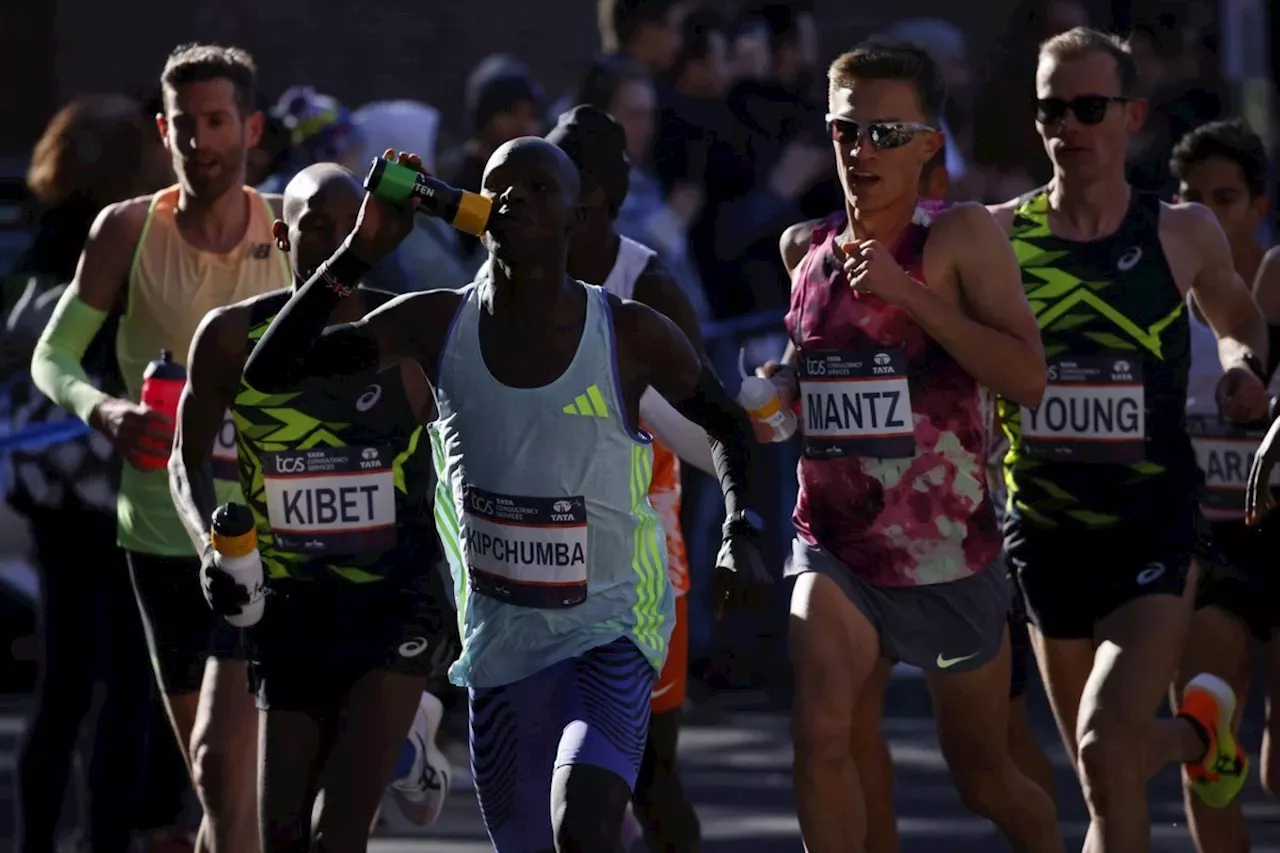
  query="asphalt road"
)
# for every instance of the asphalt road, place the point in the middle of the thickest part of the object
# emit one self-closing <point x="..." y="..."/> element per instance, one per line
<point x="737" y="765"/>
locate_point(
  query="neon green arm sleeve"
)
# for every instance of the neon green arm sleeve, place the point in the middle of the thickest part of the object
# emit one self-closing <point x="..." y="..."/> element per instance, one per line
<point x="55" y="365"/>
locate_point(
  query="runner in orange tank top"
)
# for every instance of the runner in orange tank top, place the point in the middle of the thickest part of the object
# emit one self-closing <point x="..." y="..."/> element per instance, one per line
<point x="163" y="261"/>
<point x="629" y="270"/>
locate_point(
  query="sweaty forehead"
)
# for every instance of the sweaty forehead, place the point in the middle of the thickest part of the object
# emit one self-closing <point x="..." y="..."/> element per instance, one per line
<point x="533" y="159"/>
<point x="873" y="100"/>
<point x="1092" y="74"/>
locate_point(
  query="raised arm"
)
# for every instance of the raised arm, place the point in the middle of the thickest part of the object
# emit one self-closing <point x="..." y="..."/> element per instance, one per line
<point x="297" y="344"/>
<point x="213" y="371"/>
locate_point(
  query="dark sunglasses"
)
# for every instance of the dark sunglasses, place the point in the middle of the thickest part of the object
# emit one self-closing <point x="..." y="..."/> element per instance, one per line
<point x="1088" y="109"/>
<point x="883" y="134"/>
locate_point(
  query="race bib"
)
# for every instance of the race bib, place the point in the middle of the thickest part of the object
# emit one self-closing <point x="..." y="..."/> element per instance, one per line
<point x="1224" y="453"/>
<point x="526" y="551"/>
<point x="226" y="460"/>
<point x="856" y="404"/>
<point x="1093" y="411"/>
<point x="332" y="500"/>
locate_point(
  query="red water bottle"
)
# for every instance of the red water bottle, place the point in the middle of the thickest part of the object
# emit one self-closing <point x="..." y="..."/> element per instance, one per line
<point x="162" y="384"/>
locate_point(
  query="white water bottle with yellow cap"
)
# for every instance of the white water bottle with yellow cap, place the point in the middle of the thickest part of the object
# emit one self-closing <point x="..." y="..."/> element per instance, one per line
<point x="235" y="539"/>
<point x="760" y="398"/>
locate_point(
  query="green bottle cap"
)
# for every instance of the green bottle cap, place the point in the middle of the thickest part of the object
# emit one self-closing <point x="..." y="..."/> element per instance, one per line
<point x="390" y="181"/>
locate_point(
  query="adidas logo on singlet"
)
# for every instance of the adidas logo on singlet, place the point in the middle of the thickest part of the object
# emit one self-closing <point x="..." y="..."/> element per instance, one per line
<point x="591" y="404"/>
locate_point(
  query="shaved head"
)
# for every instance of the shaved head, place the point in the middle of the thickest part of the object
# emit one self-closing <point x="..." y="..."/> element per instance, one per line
<point x="314" y="185"/>
<point x="537" y="200"/>
<point x="530" y="152"/>
<point x="321" y="204"/>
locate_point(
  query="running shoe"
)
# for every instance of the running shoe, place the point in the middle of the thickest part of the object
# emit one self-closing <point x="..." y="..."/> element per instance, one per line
<point x="1219" y="776"/>
<point x="423" y="774"/>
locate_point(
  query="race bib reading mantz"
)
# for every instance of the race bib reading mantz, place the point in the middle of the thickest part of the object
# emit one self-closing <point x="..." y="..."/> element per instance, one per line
<point x="527" y="551"/>
<point x="856" y="403"/>
<point x="1093" y="411"/>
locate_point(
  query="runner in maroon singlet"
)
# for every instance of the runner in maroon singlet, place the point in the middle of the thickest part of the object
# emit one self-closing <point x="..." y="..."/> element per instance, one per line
<point x="897" y="322"/>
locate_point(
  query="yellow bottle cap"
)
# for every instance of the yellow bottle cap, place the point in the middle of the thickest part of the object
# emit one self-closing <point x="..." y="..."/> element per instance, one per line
<point x="235" y="546"/>
<point x="473" y="214"/>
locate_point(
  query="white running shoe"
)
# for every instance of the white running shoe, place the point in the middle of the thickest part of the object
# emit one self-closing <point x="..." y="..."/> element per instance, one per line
<point x="421" y="793"/>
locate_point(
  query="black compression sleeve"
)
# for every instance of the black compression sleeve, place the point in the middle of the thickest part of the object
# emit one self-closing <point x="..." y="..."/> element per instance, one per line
<point x="730" y="435"/>
<point x="297" y="345"/>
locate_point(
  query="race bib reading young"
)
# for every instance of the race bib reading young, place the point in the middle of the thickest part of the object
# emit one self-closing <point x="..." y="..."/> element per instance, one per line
<point x="226" y="460"/>
<point x="527" y="551"/>
<point x="1093" y="411"/>
<point x="1225" y="454"/>
<point x="332" y="500"/>
<point x="856" y="404"/>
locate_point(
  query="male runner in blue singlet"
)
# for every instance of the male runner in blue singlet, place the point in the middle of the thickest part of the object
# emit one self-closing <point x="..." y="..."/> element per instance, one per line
<point x="559" y="565"/>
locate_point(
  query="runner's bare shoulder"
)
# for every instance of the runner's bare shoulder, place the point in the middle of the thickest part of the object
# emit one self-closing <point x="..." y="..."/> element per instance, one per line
<point x="1003" y="213"/>
<point x="794" y="243"/>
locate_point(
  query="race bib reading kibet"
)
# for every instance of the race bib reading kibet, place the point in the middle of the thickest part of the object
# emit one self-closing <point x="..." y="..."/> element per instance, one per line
<point x="527" y="551"/>
<point x="856" y="404"/>
<point x="226" y="460"/>
<point x="1225" y="454"/>
<point x="1093" y="410"/>
<point x="332" y="500"/>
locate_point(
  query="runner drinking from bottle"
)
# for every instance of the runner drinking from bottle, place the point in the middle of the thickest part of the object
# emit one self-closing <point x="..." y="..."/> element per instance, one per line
<point x="1103" y="520"/>
<point x="164" y="261"/>
<point x="1223" y="166"/>
<point x="559" y="569"/>
<point x="338" y="475"/>
<point x="598" y="147"/>
<point x="901" y="310"/>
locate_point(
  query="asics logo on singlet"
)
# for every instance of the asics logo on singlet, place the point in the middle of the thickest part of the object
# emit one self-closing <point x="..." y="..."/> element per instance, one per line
<point x="1129" y="259"/>
<point x="413" y="648"/>
<point x="369" y="398"/>
<point x="1150" y="573"/>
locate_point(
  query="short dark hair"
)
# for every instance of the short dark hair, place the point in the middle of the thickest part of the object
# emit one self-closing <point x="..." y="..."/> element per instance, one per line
<point x="197" y="63"/>
<point x="607" y="74"/>
<point x="619" y="20"/>
<point x="1080" y="42"/>
<point x="697" y="29"/>
<point x="1231" y="140"/>
<point x="879" y="61"/>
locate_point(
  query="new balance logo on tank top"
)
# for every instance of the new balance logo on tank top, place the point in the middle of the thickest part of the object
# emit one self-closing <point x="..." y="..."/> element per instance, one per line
<point x="338" y="473"/>
<point x="544" y="514"/>
<point x="892" y="480"/>
<point x="171" y="287"/>
<point x="1108" y="443"/>
<point x="664" y="491"/>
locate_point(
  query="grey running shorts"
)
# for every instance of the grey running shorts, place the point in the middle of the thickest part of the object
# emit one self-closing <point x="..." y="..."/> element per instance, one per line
<point x="956" y="626"/>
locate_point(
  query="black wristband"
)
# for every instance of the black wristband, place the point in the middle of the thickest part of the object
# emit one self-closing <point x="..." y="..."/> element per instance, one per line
<point x="1256" y="367"/>
<point x="342" y="272"/>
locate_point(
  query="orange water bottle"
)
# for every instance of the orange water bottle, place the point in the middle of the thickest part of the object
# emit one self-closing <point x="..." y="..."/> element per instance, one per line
<point x="760" y="399"/>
